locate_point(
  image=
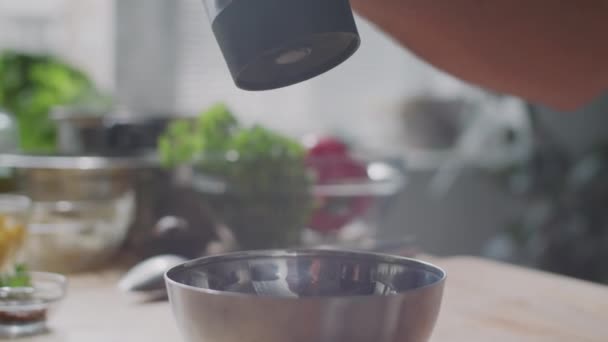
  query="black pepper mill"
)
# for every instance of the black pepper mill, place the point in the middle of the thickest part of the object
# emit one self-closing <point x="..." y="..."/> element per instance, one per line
<point x="270" y="44"/>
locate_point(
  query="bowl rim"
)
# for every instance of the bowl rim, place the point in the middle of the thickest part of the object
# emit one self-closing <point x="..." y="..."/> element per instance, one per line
<point x="386" y="177"/>
<point x="380" y="257"/>
<point x="85" y="162"/>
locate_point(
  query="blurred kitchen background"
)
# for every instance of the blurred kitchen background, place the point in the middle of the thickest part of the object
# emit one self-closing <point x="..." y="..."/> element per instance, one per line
<point x="479" y="173"/>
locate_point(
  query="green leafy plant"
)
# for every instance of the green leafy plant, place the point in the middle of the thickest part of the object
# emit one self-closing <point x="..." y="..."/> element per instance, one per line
<point x="19" y="277"/>
<point x="267" y="200"/>
<point x="185" y="140"/>
<point x="30" y="86"/>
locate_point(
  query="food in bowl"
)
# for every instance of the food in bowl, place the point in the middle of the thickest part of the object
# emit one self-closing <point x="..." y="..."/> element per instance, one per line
<point x="14" y="210"/>
<point x="12" y="237"/>
<point x="260" y="175"/>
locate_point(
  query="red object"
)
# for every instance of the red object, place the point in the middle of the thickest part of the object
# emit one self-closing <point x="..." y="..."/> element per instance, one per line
<point x="328" y="147"/>
<point x="332" y="163"/>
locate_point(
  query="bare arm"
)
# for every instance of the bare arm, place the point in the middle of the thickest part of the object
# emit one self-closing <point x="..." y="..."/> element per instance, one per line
<point x="549" y="51"/>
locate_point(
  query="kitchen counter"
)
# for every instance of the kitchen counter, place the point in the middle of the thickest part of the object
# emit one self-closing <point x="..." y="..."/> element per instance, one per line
<point x="487" y="301"/>
<point x="484" y="301"/>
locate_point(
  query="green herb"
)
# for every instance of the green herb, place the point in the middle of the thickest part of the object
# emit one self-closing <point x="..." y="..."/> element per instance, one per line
<point x="268" y="201"/>
<point x="19" y="277"/>
<point x="185" y="141"/>
<point x="30" y="86"/>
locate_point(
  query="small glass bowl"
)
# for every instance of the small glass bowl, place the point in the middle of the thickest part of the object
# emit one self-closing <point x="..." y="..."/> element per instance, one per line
<point x="24" y="310"/>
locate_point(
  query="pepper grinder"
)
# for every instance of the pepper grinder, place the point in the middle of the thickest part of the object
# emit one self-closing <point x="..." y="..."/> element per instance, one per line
<point x="269" y="44"/>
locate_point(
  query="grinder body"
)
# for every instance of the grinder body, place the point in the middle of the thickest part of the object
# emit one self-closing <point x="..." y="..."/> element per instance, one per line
<point x="269" y="44"/>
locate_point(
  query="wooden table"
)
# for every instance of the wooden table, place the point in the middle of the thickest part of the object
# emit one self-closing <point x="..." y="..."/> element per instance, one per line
<point x="484" y="301"/>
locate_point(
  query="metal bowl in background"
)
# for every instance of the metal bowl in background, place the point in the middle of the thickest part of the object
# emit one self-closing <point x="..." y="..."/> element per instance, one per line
<point x="120" y="132"/>
<point x="14" y="210"/>
<point x="107" y="132"/>
<point x="306" y="295"/>
<point x="69" y="237"/>
<point x="74" y="178"/>
<point x="82" y="204"/>
<point x="82" y="207"/>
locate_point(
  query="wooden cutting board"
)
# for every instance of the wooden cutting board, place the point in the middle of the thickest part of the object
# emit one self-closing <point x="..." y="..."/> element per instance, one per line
<point x="487" y="301"/>
<point x="484" y="301"/>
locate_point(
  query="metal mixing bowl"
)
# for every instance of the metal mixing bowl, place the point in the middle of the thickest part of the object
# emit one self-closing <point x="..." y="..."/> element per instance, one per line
<point x="82" y="207"/>
<point x="304" y="296"/>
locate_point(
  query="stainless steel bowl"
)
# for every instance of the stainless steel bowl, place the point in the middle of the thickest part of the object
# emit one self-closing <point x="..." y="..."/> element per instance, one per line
<point x="114" y="131"/>
<point x="75" y="178"/>
<point x="304" y="296"/>
<point x="82" y="207"/>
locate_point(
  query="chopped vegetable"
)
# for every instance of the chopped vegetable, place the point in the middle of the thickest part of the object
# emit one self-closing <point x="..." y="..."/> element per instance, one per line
<point x="20" y="277"/>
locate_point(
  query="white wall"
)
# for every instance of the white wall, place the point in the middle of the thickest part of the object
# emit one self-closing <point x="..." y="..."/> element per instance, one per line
<point x="80" y="31"/>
